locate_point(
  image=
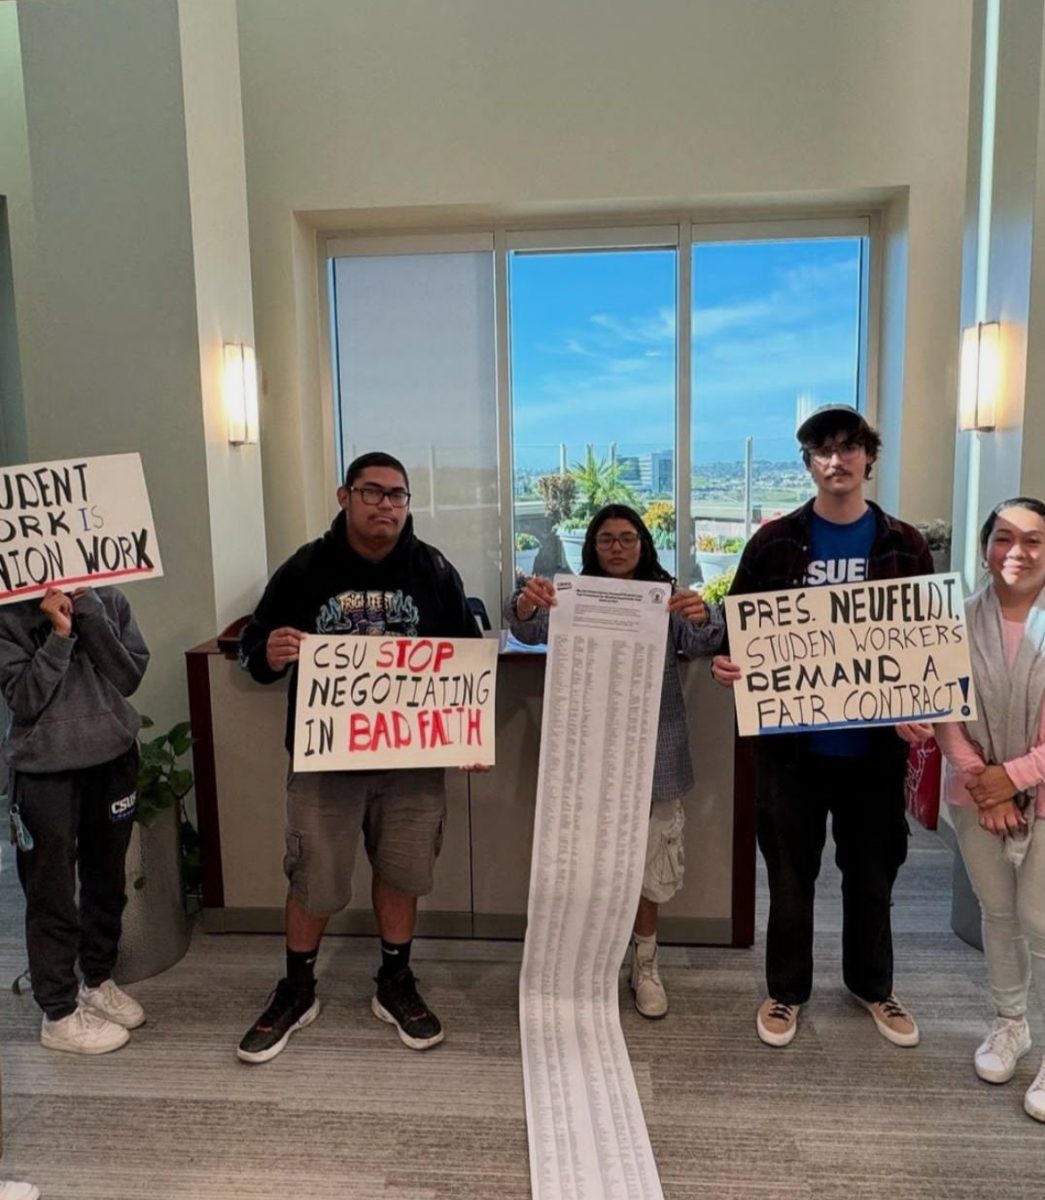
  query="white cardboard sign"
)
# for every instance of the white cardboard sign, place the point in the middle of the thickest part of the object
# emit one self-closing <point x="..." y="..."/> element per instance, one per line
<point x="75" y="523"/>
<point x="370" y="703"/>
<point x="851" y="655"/>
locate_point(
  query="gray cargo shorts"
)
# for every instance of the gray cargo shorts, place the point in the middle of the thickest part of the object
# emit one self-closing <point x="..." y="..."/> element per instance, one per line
<point x="665" y="856"/>
<point x="400" y="814"/>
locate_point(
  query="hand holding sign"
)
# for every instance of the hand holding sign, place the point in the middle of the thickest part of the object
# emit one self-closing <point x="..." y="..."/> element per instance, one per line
<point x="58" y="608"/>
<point x="689" y="605"/>
<point x="538" y="593"/>
<point x="283" y="647"/>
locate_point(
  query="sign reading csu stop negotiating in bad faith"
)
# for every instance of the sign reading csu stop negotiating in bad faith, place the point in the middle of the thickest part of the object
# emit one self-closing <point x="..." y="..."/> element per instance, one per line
<point x="856" y="654"/>
<point x="76" y="523"/>
<point x="365" y="703"/>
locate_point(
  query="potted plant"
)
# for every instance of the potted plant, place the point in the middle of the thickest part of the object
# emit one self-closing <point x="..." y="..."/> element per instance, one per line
<point x="659" y="519"/>
<point x="558" y="493"/>
<point x="599" y="483"/>
<point x="571" y="533"/>
<point x="163" y="860"/>
<point x="716" y="590"/>
<point x="716" y="553"/>
<point x="526" y="547"/>
<point x="938" y="534"/>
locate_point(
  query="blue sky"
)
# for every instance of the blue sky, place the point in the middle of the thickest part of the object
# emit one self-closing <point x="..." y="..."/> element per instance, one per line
<point x="593" y="346"/>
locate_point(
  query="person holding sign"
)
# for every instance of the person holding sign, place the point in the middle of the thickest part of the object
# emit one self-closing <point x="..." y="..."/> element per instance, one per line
<point x="369" y="574"/>
<point x="995" y="781"/>
<point x="855" y="775"/>
<point x="618" y="544"/>
<point x="67" y="665"/>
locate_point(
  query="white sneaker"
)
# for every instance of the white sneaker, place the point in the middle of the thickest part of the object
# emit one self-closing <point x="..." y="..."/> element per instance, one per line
<point x="83" y="1032"/>
<point x="1034" y="1100"/>
<point x="650" y="997"/>
<point x="997" y="1055"/>
<point x="18" y="1191"/>
<point x="113" y="1003"/>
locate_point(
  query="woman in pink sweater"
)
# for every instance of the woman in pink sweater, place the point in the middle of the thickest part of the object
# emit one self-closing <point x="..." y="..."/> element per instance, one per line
<point x="995" y="781"/>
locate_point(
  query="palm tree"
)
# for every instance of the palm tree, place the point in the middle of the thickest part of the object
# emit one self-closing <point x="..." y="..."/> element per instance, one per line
<point x="600" y="483"/>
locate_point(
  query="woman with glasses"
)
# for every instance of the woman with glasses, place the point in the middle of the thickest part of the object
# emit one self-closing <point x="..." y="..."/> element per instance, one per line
<point x="996" y="781"/>
<point x="617" y="544"/>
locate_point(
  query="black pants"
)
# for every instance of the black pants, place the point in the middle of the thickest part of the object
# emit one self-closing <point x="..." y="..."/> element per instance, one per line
<point x="79" y="820"/>
<point x="865" y="800"/>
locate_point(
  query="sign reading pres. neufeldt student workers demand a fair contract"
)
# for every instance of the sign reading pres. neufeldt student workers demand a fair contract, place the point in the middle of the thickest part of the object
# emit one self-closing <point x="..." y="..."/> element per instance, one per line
<point x="365" y="703"/>
<point x="76" y="523"/>
<point x="855" y="654"/>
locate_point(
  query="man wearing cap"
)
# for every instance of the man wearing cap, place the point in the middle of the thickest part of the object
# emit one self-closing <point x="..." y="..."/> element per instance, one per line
<point x="855" y="775"/>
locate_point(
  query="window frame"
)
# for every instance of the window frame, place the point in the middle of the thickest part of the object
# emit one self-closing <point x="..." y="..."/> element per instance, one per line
<point x="680" y="232"/>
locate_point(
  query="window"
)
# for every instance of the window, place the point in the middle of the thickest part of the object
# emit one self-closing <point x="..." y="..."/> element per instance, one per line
<point x="592" y="338"/>
<point x="777" y="330"/>
<point x="415" y="376"/>
<point x="526" y="377"/>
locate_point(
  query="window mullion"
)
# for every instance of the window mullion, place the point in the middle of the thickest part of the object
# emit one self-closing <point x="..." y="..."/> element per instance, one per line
<point x="683" y="407"/>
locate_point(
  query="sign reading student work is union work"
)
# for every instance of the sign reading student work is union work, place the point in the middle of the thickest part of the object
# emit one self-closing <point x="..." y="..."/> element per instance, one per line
<point x="365" y="703"/>
<point x="75" y="523"/>
<point x="858" y="654"/>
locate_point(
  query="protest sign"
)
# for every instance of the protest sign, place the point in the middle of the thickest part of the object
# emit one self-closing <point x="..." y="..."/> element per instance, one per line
<point x="74" y="523"/>
<point x="851" y="655"/>
<point x="365" y="703"/>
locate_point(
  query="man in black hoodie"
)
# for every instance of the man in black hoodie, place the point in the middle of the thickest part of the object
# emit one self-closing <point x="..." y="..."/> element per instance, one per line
<point x="368" y="574"/>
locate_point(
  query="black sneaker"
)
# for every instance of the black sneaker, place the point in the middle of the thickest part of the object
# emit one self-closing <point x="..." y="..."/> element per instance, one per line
<point x="289" y="1011"/>
<point x="399" y="1003"/>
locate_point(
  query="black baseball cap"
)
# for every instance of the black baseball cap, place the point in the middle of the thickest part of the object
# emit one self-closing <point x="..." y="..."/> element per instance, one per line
<point x="829" y="419"/>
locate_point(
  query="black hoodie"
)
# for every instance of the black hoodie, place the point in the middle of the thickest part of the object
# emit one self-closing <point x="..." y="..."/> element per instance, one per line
<point x="325" y="587"/>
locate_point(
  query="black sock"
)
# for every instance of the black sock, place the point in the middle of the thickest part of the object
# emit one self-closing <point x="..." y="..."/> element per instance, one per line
<point x="394" y="957"/>
<point x="301" y="968"/>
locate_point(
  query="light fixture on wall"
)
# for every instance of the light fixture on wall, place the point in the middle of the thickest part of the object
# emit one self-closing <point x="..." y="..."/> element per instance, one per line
<point x="980" y="376"/>
<point x="241" y="394"/>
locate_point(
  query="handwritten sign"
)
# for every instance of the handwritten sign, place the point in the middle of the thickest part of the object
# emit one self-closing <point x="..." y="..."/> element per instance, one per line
<point x="74" y="523"/>
<point x="858" y="654"/>
<point x="365" y="703"/>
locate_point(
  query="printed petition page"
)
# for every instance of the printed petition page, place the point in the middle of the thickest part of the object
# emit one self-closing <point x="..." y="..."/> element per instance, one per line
<point x="606" y="644"/>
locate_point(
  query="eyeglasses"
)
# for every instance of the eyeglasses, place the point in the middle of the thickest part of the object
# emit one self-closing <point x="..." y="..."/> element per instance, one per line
<point x="371" y="494"/>
<point x="824" y="454"/>
<point x="605" y="541"/>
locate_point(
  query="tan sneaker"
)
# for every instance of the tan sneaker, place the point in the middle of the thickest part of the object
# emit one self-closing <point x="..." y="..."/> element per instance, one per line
<point x="892" y="1021"/>
<point x="777" y="1022"/>
<point x="650" y="997"/>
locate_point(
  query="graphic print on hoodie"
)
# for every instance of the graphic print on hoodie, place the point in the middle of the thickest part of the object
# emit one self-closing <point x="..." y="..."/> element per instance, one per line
<point x="369" y="612"/>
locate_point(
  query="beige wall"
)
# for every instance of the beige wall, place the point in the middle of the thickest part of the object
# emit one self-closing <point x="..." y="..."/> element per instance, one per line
<point x="992" y="466"/>
<point x="597" y="104"/>
<point x="224" y="307"/>
<point x="129" y="271"/>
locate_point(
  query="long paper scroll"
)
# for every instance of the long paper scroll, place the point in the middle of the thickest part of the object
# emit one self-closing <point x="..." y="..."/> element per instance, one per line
<point x="606" y="645"/>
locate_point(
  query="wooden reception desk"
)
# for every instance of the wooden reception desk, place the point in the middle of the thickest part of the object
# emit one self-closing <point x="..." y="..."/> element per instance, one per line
<point x="483" y="872"/>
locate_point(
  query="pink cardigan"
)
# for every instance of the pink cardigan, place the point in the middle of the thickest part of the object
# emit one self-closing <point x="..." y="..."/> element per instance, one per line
<point x="1027" y="772"/>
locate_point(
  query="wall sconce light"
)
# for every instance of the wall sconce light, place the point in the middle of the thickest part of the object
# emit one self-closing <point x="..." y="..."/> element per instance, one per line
<point x="980" y="376"/>
<point x="241" y="394"/>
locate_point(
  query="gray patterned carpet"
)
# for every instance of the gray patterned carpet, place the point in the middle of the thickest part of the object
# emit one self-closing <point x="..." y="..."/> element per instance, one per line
<point x="348" y="1113"/>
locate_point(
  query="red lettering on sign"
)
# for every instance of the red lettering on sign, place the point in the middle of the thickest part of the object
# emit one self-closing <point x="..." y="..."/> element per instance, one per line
<point x="475" y="727"/>
<point x="358" y="732"/>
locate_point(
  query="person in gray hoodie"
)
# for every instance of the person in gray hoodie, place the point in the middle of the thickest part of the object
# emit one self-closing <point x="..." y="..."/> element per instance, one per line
<point x="67" y="665"/>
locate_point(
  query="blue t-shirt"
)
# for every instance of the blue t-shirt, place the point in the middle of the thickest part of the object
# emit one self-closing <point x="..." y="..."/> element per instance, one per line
<point x="839" y="554"/>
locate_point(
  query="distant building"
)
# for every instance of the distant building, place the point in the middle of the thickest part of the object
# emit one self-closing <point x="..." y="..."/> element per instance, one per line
<point x="657" y="472"/>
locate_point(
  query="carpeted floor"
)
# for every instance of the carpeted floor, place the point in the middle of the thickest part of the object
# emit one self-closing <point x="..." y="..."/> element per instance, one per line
<point x="347" y="1112"/>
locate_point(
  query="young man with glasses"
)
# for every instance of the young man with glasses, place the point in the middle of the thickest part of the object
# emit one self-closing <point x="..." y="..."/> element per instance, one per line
<point x="369" y="574"/>
<point x="855" y="775"/>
